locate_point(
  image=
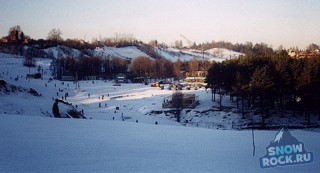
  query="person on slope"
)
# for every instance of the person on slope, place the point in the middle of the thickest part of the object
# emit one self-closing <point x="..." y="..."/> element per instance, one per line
<point x="55" y="109"/>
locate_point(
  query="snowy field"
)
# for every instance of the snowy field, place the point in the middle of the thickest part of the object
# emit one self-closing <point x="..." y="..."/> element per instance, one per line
<point x="32" y="141"/>
<point x="42" y="144"/>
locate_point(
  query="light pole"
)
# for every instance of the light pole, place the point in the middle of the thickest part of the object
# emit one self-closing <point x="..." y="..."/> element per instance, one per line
<point x="252" y="133"/>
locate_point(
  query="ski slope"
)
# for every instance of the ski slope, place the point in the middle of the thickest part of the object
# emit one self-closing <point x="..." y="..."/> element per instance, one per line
<point x="129" y="52"/>
<point x="42" y="144"/>
<point x="135" y="101"/>
<point x="215" y="54"/>
<point x="62" y="51"/>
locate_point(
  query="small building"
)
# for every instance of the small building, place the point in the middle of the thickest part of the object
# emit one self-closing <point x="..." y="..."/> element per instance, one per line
<point x="195" y="79"/>
<point x="188" y="101"/>
<point x="90" y="78"/>
<point x="34" y="76"/>
<point x="121" y="78"/>
<point x="67" y="77"/>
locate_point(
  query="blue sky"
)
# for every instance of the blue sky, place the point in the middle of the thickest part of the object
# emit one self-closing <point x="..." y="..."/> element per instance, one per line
<point x="275" y="22"/>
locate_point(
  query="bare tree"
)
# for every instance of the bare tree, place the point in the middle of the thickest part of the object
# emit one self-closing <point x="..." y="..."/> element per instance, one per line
<point x="177" y="99"/>
<point x="154" y="43"/>
<point x="55" y="35"/>
<point x="194" y="67"/>
<point x="177" y="68"/>
<point x="141" y="66"/>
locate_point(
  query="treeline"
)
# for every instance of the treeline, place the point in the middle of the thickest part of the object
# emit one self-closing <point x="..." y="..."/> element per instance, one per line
<point x="89" y="66"/>
<point x="16" y="40"/>
<point x="161" y="68"/>
<point x="140" y="67"/>
<point x="246" y="48"/>
<point x="273" y="84"/>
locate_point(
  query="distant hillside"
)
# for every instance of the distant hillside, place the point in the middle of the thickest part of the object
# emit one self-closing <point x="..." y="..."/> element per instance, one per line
<point x="215" y="54"/>
<point x="126" y="52"/>
<point x="62" y="51"/>
<point x="129" y="52"/>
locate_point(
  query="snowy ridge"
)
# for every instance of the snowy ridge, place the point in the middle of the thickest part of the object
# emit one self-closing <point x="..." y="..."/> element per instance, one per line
<point x="131" y="52"/>
<point x="224" y="53"/>
<point x="123" y="52"/>
<point x="215" y="54"/>
<point x="62" y="51"/>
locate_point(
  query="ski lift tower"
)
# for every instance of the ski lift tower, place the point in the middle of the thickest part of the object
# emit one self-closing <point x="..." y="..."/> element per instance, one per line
<point x="190" y="43"/>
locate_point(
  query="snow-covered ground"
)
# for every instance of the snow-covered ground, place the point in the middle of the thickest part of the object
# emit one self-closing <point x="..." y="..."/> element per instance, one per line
<point x="135" y="101"/>
<point x="31" y="141"/>
<point x="42" y="144"/>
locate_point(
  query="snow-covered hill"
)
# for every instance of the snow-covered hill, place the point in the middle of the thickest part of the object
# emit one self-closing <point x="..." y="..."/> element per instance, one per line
<point x="131" y="52"/>
<point x="62" y="51"/>
<point x="123" y="52"/>
<point x="215" y="54"/>
<point x="222" y="53"/>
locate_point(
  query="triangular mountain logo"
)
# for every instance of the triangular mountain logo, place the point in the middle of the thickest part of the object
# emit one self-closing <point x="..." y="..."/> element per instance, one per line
<point x="284" y="150"/>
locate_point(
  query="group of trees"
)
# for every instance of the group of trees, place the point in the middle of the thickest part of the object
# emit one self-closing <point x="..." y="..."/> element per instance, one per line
<point x="164" y="68"/>
<point x="90" y="66"/>
<point x="140" y="67"/>
<point x="118" y="40"/>
<point x="267" y="83"/>
<point x="154" y="68"/>
<point x="246" y="48"/>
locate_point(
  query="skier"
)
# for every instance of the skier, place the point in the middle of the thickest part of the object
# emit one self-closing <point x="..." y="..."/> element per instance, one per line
<point x="55" y="109"/>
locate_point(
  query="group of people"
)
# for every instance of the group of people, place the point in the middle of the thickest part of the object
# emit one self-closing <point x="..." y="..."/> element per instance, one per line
<point x="56" y="113"/>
